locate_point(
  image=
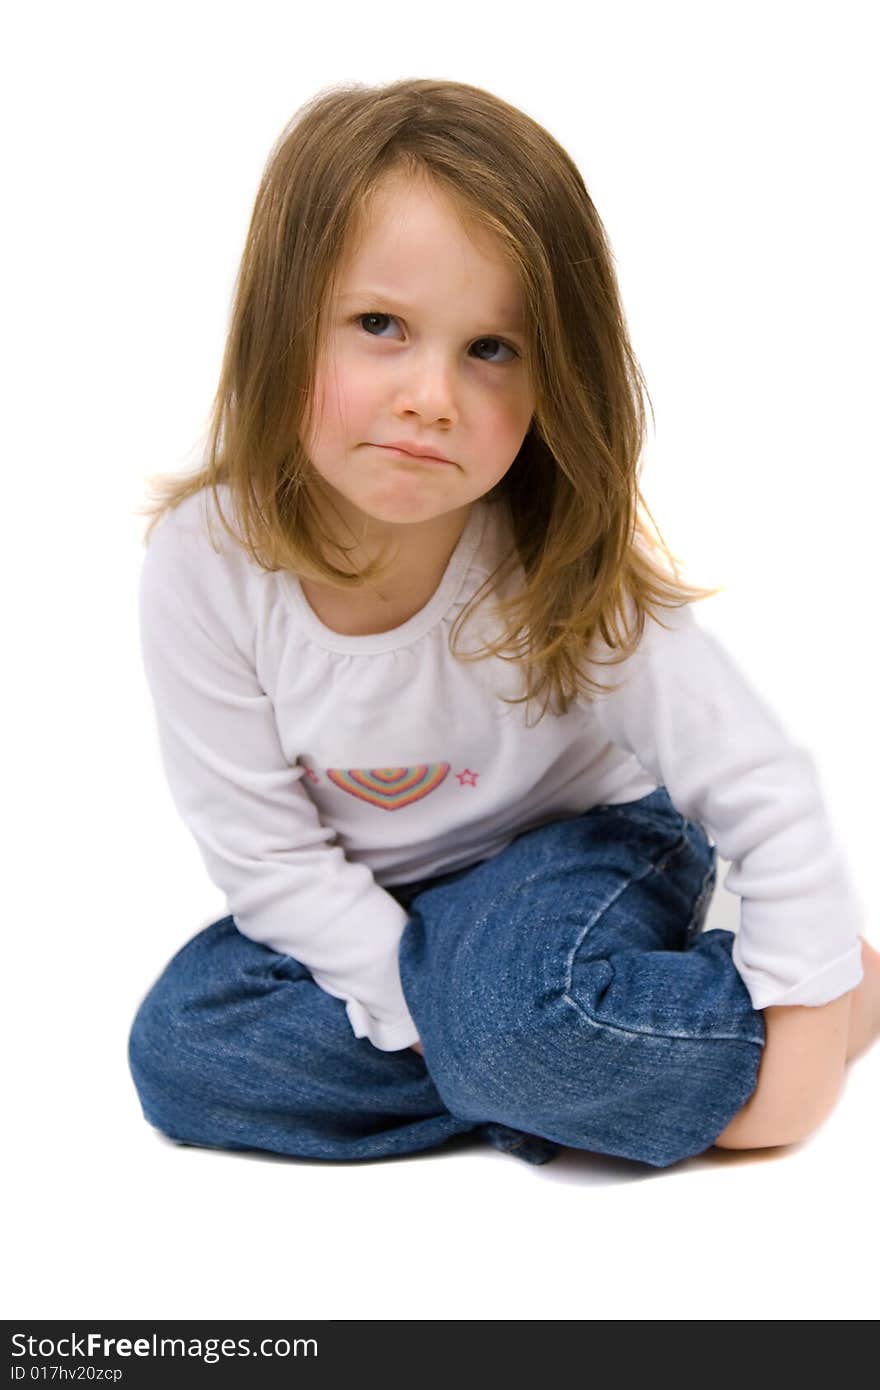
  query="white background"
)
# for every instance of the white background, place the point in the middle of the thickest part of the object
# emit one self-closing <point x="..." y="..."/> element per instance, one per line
<point x="730" y="150"/>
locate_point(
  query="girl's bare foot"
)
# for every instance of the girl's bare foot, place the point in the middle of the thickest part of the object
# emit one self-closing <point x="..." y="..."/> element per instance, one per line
<point x="864" y="1019"/>
<point x="803" y="1063"/>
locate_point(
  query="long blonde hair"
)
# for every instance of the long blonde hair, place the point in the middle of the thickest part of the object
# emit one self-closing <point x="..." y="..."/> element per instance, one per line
<point x="588" y="557"/>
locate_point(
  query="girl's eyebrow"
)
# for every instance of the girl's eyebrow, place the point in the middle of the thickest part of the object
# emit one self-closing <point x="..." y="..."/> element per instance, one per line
<point x="366" y="295"/>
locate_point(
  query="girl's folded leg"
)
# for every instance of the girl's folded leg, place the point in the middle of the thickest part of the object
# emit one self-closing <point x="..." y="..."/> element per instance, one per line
<point x="236" y="1047"/>
<point x="562" y="991"/>
<point x="565" y="988"/>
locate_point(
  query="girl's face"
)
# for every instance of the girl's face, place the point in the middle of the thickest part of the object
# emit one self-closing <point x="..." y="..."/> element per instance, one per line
<point x="423" y="348"/>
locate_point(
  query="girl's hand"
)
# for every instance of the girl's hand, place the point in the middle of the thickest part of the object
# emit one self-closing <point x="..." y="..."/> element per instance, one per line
<point x="417" y="1047"/>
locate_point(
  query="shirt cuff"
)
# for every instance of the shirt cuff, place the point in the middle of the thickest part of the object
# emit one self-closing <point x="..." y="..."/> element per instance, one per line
<point x="837" y="978"/>
<point x="386" y="1035"/>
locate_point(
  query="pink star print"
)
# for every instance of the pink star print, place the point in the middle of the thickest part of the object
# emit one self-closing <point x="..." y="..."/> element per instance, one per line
<point x="467" y="778"/>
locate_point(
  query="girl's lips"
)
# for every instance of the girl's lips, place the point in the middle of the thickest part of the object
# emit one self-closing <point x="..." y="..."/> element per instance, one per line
<point x="406" y="453"/>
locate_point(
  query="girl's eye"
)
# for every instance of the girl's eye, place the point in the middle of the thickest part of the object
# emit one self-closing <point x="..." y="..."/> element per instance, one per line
<point x="390" y="317"/>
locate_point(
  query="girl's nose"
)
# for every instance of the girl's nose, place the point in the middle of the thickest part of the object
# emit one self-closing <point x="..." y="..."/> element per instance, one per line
<point x="429" y="388"/>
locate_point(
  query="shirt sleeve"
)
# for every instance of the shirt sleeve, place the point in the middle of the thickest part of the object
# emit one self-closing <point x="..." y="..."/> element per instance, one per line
<point x="697" y="726"/>
<point x="287" y="884"/>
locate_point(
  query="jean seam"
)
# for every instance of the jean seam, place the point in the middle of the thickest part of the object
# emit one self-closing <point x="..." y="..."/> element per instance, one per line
<point x="706" y="887"/>
<point x="651" y="867"/>
<point x="566" y="996"/>
<point x="671" y="853"/>
<point x="652" y="1033"/>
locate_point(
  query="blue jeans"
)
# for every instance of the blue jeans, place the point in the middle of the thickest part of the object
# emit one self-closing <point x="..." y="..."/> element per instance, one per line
<point x="564" y="991"/>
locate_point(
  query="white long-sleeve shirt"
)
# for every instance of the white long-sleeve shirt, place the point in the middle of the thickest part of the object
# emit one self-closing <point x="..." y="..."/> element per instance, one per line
<point x="315" y="769"/>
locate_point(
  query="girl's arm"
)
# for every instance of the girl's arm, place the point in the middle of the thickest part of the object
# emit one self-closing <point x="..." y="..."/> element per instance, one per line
<point x="697" y="726"/>
<point x="287" y="884"/>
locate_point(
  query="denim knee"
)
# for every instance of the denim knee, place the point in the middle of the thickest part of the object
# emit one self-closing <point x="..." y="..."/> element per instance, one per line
<point x="576" y="1079"/>
<point x="152" y="1051"/>
<point x="604" y="1021"/>
<point x="166" y="1041"/>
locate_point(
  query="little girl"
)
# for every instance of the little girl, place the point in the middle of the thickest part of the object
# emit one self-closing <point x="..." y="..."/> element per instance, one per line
<point x="446" y="918"/>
